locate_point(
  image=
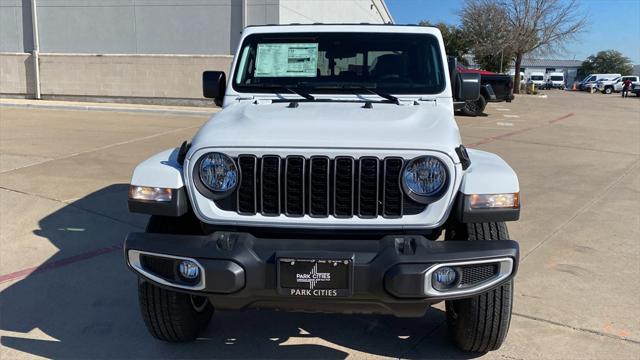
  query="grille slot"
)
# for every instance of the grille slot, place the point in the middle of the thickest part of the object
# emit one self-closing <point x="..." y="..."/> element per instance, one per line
<point x="368" y="187"/>
<point x="247" y="188"/>
<point x="294" y="192"/>
<point x="270" y="185"/>
<point x="343" y="179"/>
<point x="392" y="201"/>
<point x="319" y="186"/>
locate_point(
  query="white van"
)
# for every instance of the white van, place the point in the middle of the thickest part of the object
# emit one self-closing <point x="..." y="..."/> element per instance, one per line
<point x="590" y="80"/>
<point x="555" y="80"/>
<point x="536" y="78"/>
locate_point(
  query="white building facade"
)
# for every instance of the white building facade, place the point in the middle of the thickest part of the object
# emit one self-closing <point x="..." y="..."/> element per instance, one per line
<point x="141" y="50"/>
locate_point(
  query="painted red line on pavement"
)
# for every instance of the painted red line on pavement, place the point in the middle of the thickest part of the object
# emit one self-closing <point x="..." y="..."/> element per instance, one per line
<point x="498" y="137"/>
<point x="58" y="263"/>
<point x="561" y="118"/>
<point x="506" y="135"/>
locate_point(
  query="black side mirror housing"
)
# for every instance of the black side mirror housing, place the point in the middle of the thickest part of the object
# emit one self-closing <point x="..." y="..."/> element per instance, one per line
<point x="467" y="87"/>
<point x="214" y="85"/>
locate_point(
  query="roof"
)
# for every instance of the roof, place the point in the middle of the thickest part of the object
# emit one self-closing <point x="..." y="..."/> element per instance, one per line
<point x="350" y="27"/>
<point x="549" y="63"/>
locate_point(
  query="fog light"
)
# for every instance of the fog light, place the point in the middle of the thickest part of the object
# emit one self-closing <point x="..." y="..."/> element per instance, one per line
<point x="189" y="269"/>
<point x="444" y="278"/>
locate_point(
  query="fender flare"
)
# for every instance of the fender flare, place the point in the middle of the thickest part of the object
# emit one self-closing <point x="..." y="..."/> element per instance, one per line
<point x="487" y="174"/>
<point x="160" y="170"/>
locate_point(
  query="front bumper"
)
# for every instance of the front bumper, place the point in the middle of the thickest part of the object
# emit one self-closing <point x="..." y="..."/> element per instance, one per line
<point x="389" y="275"/>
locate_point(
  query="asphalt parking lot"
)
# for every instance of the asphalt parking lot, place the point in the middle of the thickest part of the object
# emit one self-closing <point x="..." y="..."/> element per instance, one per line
<point x="65" y="292"/>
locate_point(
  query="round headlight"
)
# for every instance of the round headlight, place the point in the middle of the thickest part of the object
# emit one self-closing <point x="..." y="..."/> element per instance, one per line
<point x="424" y="177"/>
<point x="218" y="172"/>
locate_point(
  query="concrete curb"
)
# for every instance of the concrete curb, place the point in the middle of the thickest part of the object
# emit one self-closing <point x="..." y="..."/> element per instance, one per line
<point x="143" y="110"/>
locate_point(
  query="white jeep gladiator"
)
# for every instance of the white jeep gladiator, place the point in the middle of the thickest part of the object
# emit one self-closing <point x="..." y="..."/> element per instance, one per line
<point x="334" y="179"/>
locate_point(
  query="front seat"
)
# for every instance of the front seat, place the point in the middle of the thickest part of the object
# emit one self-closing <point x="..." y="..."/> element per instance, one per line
<point x="389" y="66"/>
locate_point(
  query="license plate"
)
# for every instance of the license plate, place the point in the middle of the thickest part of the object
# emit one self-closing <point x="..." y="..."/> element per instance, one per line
<point x="314" y="277"/>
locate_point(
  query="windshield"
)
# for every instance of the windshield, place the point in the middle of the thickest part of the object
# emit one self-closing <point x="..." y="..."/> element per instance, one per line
<point x="536" y="77"/>
<point x="557" y="78"/>
<point x="340" y="62"/>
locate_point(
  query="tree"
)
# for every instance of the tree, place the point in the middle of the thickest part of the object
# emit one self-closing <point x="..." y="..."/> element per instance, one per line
<point x="540" y="26"/>
<point x="455" y="43"/>
<point x="607" y="62"/>
<point x="486" y="26"/>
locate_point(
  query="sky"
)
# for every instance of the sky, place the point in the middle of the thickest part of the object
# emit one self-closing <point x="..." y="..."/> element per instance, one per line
<point x="613" y="24"/>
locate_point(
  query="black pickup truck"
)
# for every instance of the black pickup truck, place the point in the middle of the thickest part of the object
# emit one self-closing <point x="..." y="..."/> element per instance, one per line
<point x="494" y="88"/>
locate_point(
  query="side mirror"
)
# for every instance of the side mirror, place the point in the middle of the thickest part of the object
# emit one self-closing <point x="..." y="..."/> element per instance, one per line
<point x="214" y="85"/>
<point x="467" y="87"/>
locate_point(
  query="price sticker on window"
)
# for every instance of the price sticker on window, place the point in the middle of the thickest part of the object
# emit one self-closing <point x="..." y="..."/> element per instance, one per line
<point x="287" y="60"/>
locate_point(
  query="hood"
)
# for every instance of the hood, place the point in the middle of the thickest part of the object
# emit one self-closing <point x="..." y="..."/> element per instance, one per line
<point x="429" y="126"/>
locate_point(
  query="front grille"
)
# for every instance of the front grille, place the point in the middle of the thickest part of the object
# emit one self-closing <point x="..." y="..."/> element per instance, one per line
<point x="320" y="187"/>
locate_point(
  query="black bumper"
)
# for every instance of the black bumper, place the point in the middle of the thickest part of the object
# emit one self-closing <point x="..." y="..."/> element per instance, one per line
<point x="387" y="274"/>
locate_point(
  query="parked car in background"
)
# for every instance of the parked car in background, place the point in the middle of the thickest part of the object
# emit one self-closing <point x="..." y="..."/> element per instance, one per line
<point x="537" y="78"/>
<point x="589" y="81"/>
<point x="635" y="88"/>
<point x="494" y="88"/>
<point x="608" y="86"/>
<point x="555" y="80"/>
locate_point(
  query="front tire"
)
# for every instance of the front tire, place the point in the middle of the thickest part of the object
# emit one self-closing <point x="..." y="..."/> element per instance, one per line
<point x="608" y="90"/>
<point x="480" y="324"/>
<point x="173" y="316"/>
<point x="170" y="315"/>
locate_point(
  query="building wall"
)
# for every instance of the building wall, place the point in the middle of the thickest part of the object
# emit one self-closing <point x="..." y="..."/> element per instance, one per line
<point x="16" y="74"/>
<point x="143" y="48"/>
<point x="130" y="26"/>
<point x="137" y="76"/>
<point x="333" y="11"/>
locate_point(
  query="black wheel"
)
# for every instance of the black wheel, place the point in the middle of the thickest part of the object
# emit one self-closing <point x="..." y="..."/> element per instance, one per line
<point x="475" y="108"/>
<point x="171" y="315"/>
<point x="608" y="90"/>
<point x="480" y="323"/>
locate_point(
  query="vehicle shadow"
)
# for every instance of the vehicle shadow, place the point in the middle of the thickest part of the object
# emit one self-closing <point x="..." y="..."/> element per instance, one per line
<point x="85" y="306"/>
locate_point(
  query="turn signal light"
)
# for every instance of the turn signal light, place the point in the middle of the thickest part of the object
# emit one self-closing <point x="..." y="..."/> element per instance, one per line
<point x="494" y="201"/>
<point x="150" y="193"/>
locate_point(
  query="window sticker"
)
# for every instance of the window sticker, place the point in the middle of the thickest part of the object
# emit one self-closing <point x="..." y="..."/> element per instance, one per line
<point x="287" y="60"/>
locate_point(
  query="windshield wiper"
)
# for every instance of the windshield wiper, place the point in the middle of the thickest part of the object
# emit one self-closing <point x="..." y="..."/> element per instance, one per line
<point x="374" y="91"/>
<point x="353" y="88"/>
<point x="304" y="94"/>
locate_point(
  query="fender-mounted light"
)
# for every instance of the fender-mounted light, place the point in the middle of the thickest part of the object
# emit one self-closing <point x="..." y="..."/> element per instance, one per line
<point x="147" y="193"/>
<point x="495" y="201"/>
